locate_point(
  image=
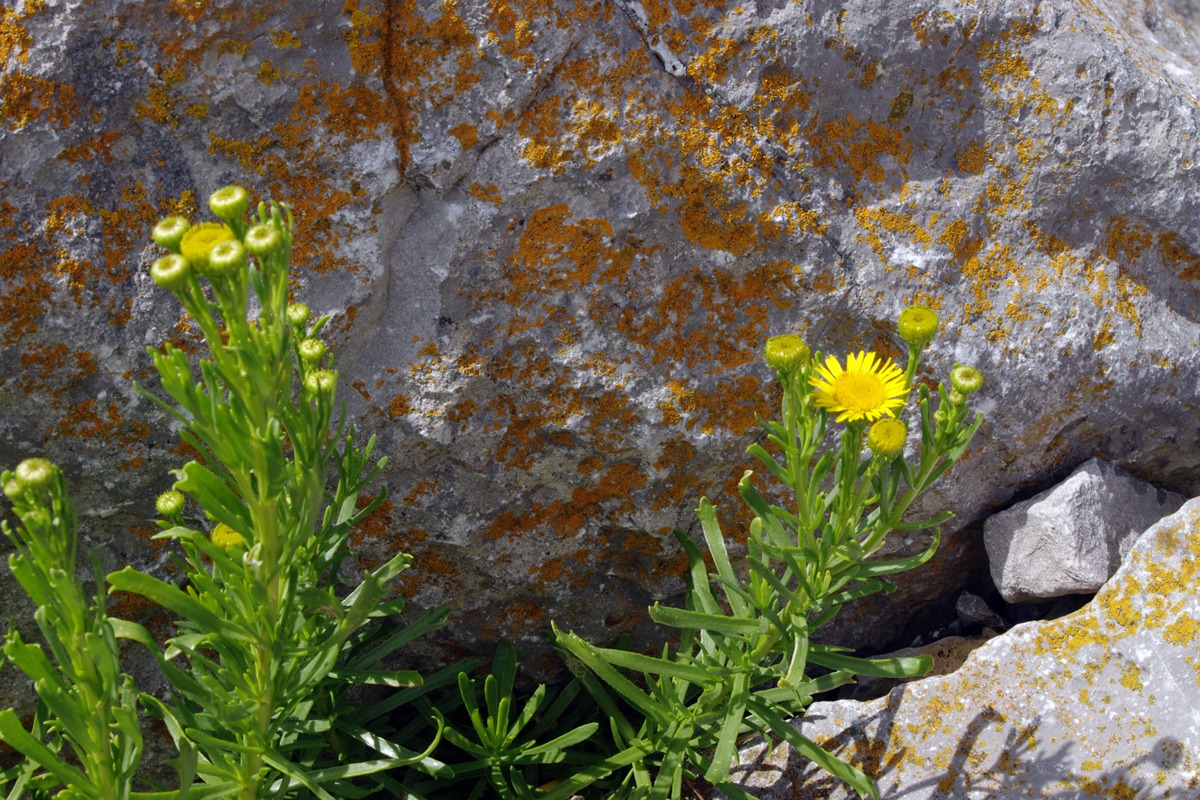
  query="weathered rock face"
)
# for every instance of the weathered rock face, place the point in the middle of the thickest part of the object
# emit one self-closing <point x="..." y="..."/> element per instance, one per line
<point x="555" y="234"/>
<point x="1101" y="703"/>
<point x="1071" y="539"/>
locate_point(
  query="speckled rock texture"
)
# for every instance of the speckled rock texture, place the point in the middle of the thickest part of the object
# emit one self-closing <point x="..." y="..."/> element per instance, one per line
<point x="554" y="235"/>
<point x="1071" y="539"/>
<point x="1099" y="704"/>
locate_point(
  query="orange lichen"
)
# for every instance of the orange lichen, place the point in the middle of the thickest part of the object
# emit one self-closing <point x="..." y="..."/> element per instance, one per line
<point x="466" y="134"/>
<point x="15" y="41"/>
<point x="972" y="159"/>
<point x="25" y="99"/>
<point x="488" y="194"/>
<point x="861" y="147"/>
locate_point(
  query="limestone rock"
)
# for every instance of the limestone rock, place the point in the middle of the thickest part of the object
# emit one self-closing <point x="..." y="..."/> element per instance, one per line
<point x="555" y="235"/>
<point x="1098" y="704"/>
<point x="1070" y="539"/>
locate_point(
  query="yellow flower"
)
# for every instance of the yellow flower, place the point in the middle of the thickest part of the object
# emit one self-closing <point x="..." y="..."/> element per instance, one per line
<point x="886" y="438"/>
<point x="199" y="241"/>
<point x="868" y="388"/>
<point x="226" y="537"/>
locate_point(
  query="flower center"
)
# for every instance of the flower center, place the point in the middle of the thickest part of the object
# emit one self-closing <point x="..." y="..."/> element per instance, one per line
<point x="859" y="392"/>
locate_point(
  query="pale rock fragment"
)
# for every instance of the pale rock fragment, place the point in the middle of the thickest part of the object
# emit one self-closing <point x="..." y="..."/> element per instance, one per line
<point x="1071" y="538"/>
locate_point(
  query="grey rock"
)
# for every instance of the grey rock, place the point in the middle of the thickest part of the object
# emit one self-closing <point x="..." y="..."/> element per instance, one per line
<point x="974" y="610"/>
<point x="554" y="237"/>
<point x="1098" y="704"/>
<point x="1070" y="539"/>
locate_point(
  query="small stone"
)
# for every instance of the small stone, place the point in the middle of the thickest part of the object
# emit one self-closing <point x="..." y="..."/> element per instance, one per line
<point x="1071" y="539"/>
<point x="974" y="610"/>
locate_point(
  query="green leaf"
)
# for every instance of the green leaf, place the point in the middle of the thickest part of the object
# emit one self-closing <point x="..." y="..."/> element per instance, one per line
<point x="294" y="773"/>
<point x="825" y="683"/>
<point x="15" y="736"/>
<point x="874" y="569"/>
<point x="215" y="496"/>
<point x="656" y="666"/>
<point x="781" y="474"/>
<point x="528" y="713"/>
<point x="699" y="592"/>
<point x="587" y="775"/>
<point x="400" y="636"/>
<point x="598" y="664"/>
<point x="899" y="667"/>
<point x="731" y="725"/>
<point x="572" y="737"/>
<point x="669" y="781"/>
<point x="718" y="623"/>
<point x="422" y="760"/>
<point x="396" y="678"/>
<point x="173" y="599"/>
<point x="715" y="539"/>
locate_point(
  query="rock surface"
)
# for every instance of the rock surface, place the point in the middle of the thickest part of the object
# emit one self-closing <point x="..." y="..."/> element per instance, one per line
<point x="554" y="235"/>
<point x="1099" y="704"/>
<point x="1070" y="539"/>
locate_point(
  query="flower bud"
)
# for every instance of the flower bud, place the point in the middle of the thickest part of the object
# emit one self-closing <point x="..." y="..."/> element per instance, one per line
<point x="966" y="380"/>
<point x="311" y="351"/>
<point x="786" y="353"/>
<point x="170" y="503"/>
<point x="886" y="438"/>
<point x="35" y="473"/>
<point x="297" y="315"/>
<point x="917" y="325"/>
<point x="320" y="382"/>
<point x="226" y="258"/>
<point x="230" y="203"/>
<point x="263" y="239"/>
<point x="171" y="272"/>
<point x="169" y="231"/>
<point x="226" y="537"/>
<point x="956" y="397"/>
<point x="12" y="489"/>
<point x="199" y="241"/>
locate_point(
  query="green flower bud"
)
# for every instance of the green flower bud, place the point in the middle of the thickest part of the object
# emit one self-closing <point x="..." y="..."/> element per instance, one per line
<point x="311" y="351"/>
<point x="966" y="380"/>
<point x="786" y="353"/>
<point x="226" y="258"/>
<point x="229" y="203"/>
<point x="297" y="315"/>
<point x="918" y="325"/>
<point x="171" y="272"/>
<point x="35" y="473"/>
<point x="199" y="240"/>
<point x="320" y="382"/>
<point x="886" y="438"/>
<point x="169" y="231"/>
<point x="263" y="239"/>
<point x="170" y="503"/>
<point x="12" y="489"/>
<point x="956" y="397"/>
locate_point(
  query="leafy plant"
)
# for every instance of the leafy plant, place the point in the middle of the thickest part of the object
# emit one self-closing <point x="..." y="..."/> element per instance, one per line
<point x="745" y="650"/>
<point x="507" y="745"/>
<point x="268" y="645"/>
<point x="85" y="734"/>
